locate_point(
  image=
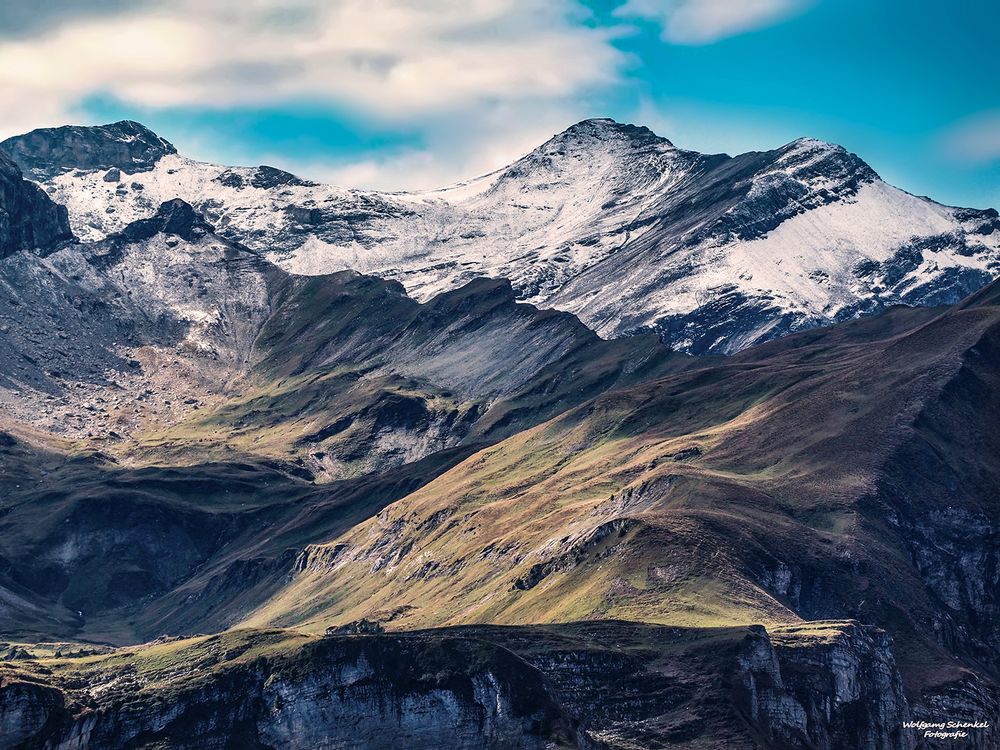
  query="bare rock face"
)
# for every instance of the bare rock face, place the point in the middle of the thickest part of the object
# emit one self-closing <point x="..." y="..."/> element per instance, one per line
<point x="29" y="220"/>
<point x="125" y="145"/>
<point x="349" y="702"/>
<point x="165" y="286"/>
<point x="372" y="693"/>
<point x="839" y="689"/>
<point x="25" y="709"/>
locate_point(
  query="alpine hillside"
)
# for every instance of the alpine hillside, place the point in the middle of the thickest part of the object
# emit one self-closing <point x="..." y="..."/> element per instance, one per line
<point x="620" y="447"/>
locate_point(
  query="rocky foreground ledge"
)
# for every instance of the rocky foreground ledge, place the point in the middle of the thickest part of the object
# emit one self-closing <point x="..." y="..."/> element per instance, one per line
<point x="581" y="685"/>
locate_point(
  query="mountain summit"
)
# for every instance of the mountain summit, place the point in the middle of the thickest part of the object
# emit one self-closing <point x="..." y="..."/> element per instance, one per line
<point x="604" y="129"/>
<point x="605" y="220"/>
<point x="126" y="145"/>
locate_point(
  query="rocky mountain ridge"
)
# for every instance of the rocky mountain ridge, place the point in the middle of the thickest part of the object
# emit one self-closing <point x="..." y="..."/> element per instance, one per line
<point x="123" y="146"/>
<point x="605" y="220"/>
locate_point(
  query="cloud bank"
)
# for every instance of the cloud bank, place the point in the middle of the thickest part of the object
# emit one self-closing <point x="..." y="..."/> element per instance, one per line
<point x="975" y="140"/>
<point x="706" y="21"/>
<point x="464" y="70"/>
<point x="389" y="58"/>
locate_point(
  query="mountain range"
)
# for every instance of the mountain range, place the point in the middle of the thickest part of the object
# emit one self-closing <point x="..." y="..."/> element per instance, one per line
<point x="620" y="446"/>
<point x="607" y="221"/>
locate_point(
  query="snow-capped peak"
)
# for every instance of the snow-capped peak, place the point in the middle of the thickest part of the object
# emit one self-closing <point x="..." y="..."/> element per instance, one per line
<point x="601" y="130"/>
<point x="606" y="220"/>
<point x="820" y="158"/>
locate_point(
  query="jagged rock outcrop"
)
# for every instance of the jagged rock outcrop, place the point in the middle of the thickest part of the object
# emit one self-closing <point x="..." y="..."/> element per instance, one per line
<point x="368" y="693"/>
<point x="29" y="220"/>
<point x="836" y="689"/>
<point x="175" y="217"/>
<point x="126" y="146"/>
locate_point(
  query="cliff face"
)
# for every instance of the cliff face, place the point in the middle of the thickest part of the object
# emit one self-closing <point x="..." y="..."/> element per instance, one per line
<point x="378" y="693"/>
<point x="28" y="218"/>
<point x="361" y="702"/>
<point x="609" y="685"/>
<point x="939" y="495"/>
<point x="26" y="708"/>
<point x="827" y="689"/>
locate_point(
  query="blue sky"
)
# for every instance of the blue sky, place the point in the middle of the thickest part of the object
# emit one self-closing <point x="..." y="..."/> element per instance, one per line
<point x="418" y="93"/>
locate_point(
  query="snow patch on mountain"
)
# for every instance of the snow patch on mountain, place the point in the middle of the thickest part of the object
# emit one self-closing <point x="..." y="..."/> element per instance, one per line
<point x="99" y="339"/>
<point x="807" y="260"/>
<point x="607" y="221"/>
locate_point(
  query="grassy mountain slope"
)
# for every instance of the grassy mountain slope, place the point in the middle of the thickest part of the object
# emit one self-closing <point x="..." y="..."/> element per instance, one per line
<point x="218" y="415"/>
<point x="809" y="478"/>
<point x="470" y="463"/>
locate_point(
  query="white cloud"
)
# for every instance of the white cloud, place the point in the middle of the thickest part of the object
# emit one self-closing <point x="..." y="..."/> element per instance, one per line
<point x="976" y="139"/>
<point x="410" y="169"/>
<point x="393" y="59"/>
<point x="456" y="148"/>
<point x="706" y="21"/>
<point x="482" y="81"/>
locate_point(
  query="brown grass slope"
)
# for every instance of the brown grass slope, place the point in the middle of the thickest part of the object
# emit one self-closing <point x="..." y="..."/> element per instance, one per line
<point x="352" y="396"/>
<point x="810" y="478"/>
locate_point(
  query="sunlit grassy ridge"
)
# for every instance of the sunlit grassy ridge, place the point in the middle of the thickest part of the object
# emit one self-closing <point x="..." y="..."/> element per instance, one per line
<point x="578" y="500"/>
<point x="730" y="494"/>
<point x="353" y="396"/>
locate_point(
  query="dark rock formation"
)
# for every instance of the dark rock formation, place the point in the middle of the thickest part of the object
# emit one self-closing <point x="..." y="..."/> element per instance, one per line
<point x="363" y="626"/>
<point x="263" y="177"/>
<point x="838" y="690"/>
<point x="29" y="220"/>
<point x="174" y="217"/>
<point x="126" y="146"/>
<point x="270" y="177"/>
<point x="374" y="693"/>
